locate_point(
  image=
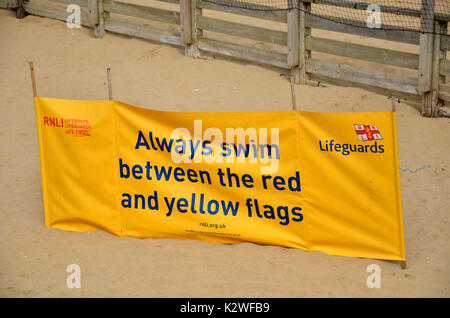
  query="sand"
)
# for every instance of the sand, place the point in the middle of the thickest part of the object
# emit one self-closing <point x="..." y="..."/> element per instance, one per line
<point x="71" y="64"/>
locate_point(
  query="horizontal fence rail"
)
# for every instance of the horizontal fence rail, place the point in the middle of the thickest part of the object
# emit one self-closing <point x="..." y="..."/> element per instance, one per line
<point x="193" y="27"/>
<point x="160" y="15"/>
<point x="53" y="13"/>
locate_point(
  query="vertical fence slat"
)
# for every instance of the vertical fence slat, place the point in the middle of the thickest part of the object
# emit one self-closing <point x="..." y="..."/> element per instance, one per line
<point x="426" y="55"/>
<point x="435" y="77"/>
<point x="304" y="37"/>
<point x="440" y="27"/>
<point x="191" y="49"/>
<point x="186" y="21"/>
<point x="96" y="18"/>
<point x="99" y="28"/>
<point x="292" y="34"/>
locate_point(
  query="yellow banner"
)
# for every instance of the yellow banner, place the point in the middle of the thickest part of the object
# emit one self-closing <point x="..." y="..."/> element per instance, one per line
<point x="315" y="181"/>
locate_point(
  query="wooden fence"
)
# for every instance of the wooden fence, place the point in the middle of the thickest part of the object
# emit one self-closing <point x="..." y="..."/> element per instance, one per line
<point x="188" y="27"/>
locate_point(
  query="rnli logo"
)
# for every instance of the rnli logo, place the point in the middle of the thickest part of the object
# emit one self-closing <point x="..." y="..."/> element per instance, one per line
<point x="367" y="132"/>
<point x="364" y="133"/>
<point x="72" y="126"/>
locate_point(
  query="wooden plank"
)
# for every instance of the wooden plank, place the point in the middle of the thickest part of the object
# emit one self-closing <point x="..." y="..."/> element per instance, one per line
<point x="444" y="88"/>
<point x="445" y="42"/>
<point x="242" y="30"/>
<point x="144" y="32"/>
<point x="52" y="13"/>
<point x="442" y="16"/>
<point x="318" y="80"/>
<point x="364" y="52"/>
<point x="363" y="6"/>
<point x="445" y="67"/>
<point x="186" y="21"/>
<point x="144" y="12"/>
<point x="243" y="52"/>
<point x="263" y="12"/>
<point x="170" y="1"/>
<point x="386" y="81"/>
<point x="349" y="26"/>
<point x="292" y="33"/>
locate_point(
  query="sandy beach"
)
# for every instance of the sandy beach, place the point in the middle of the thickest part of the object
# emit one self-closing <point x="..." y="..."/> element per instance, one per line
<point x="71" y="63"/>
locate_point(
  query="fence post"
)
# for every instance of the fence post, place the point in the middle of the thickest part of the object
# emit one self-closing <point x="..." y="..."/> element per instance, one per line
<point x="304" y="36"/>
<point x="186" y="21"/>
<point x="426" y="56"/>
<point x="189" y="32"/>
<point x="440" y="27"/>
<point x="99" y="30"/>
<point x="96" y="18"/>
<point x="293" y="39"/>
<point x="92" y="12"/>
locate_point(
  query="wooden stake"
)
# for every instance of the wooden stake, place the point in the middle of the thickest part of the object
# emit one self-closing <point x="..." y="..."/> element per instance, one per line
<point x="394" y="101"/>
<point x="108" y="72"/>
<point x="394" y="104"/>
<point x="294" y="103"/>
<point x="33" y="79"/>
